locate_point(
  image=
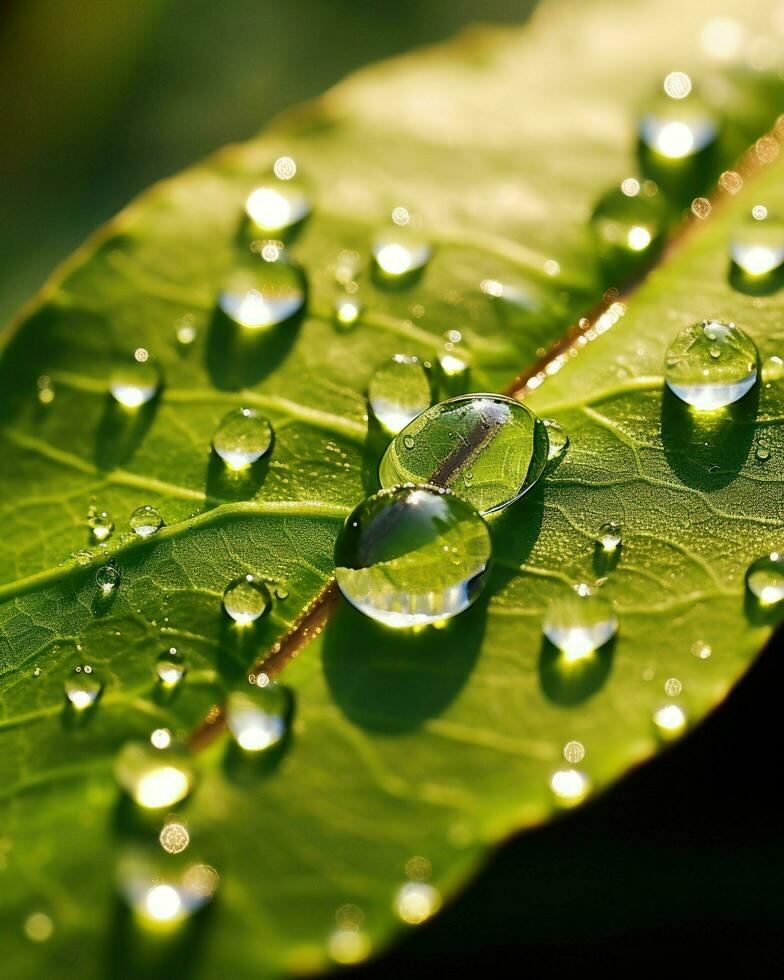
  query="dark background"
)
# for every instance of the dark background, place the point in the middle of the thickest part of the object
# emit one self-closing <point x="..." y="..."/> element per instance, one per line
<point x="682" y="863"/>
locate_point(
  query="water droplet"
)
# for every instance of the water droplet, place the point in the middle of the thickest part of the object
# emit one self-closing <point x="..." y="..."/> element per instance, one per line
<point x="627" y="228"/>
<point x="269" y="292"/>
<point x="245" y="599"/>
<point x="701" y="650"/>
<point x="574" y="752"/>
<point x="763" y="452"/>
<point x="558" y="438"/>
<point x="579" y="622"/>
<point x="136" y="381"/>
<point x="672" y="687"/>
<point x="280" y="202"/>
<point x="153" y="778"/>
<point x="82" y="556"/>
<point x="348" y="309"/>
<point x="669" y="721"/>
<point x="160" y="738"/>
<point x="390" y="558"/>
<point x="146" y="520"/>
<point x="242" y="437"/>
<point x="281" y="593"/>
<point x="108" y="578"/>
<point x="347" y="946"/>
<point x="170" y="667"/>
<point x="610" y="536"/>
<point x="705" y="381"/>
<point x="569" y="786"/>
<point x="185" y="330"/>
<point x="82" y="689"/>
<point x="400" y="251"/>
<point x="765" y="579"/>
<point x="258" y="719"/>
<point x="757" y="244"/>
<point x="100" y="523"/>
<point x="38" y="927"/>
<point x="417" y="901"/>
<point x="161" y="893"/>
<point x="488" y="449"/>
<point x="399" y="391"/>
<point x="46" y="390"/>
<point x="773" y="369"/>
<point x="174" y="837"/>
<point x="678" y="129"/>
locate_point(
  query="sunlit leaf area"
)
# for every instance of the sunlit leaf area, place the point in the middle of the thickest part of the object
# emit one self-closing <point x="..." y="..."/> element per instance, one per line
<point x="393" y="500"/>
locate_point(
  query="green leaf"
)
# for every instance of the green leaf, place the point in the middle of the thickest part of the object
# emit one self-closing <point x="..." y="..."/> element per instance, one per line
<point x="432" y="746"/>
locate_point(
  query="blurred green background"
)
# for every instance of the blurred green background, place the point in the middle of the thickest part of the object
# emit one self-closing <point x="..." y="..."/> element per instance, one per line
<point x="683" y="860"/>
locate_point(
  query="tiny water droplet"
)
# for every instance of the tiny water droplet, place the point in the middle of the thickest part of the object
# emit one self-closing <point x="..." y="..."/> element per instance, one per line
<point x="38" y="927"/>
<point x="46" y="391"/>
<point x="706" y="381"/>
<point x="100" y="523"/>
<point x="399" y="391"/>
<point x="763" y="452"/>
<point x="701" y="650"/>
<point x="400" y="251"/>
<point x="757" y="243"/>
<point x="348" y="309"/>
<point x="569" y="787"/>
<point x="390" y="556"/>
<point x="174" y="837"/>
<point x="281" y="201"/>
<point x="267" y="293"/>
<point x="82" y="556"/>
<point x="146" y="520"/>
<point x="347" y="946"/>
<point x="160" y="738"/>
<point x="579" y="621"/>
<point x="773" y="369"/>
<point x="574" y="752"/>
<point x="765" y="579"/>
<point x="108" y="578"/>
<point x="281" y="593"/>
<point x="417" y="901"/>
<point x="258" y="719"/>
<point x="558" y="439"/>
<point x="610" y="536"/>
<point x="83" y="688"/>
<point x="488" y="449"/>
<point x="672" y="687"/>
<point x="626" y="227"/>
<point x="242" y="437"/>
<point x="245" y="599"/>
<point x="135" y="381"/>
<point x="170" y="667"/>
<point x="185" y="330"/>
<point x="153" y="778"/>
<point x="669" y="721"/>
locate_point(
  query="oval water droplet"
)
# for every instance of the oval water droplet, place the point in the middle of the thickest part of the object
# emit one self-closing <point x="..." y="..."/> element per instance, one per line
<point x="487" y="449"/>
<point x="569" y="787"/>
<point x="266" y="293"/>
<point x="107" y="578"/>
<point x="669" y="721"/>
<point x="245" y="599"/>
<point x="170" y="667"/>
<point x="83" y="688"/>
<point x="153" y="778"/>
<point x="757" y="243"/>
<point x="242" y="438"/>
<point x="348" y="309"/>
<point x="161" y="892"/>
<point x="146" y="520"/>
<point x="258" y="718"/>
<point x="400" y="251"/>
<point x="100" y="523"/>
<point x="280" y="202"/>
<point x="762" y="452"/>
<point x="610" y="536"/>
<point x="558" y="439"/>
<point x="765" y="579"/>
<point x="627" y="228"/>
<point x="773" y="369"/>
<point x="678" y="129"/>
<point x="579" y="621"/>
<point x="412" y="555"/>
<point x="705" y="381"/>
<point x="399" y="391"/>
<point x="135" y="381"/>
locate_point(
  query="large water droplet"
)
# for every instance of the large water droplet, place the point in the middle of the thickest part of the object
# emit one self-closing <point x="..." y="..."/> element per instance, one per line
<point x="136" y="380"/>
<point x="627" y="226"/>
<point x="400" y="251"/>
<point x="245" y="599"/>
<point x="100" y="523"/>
<point x="757" y="244"/>
<point x="269" y="292"/>
<point x="153" y="778"/>
<point x="487" y="449"/>
<point x="83" y="688"/>
<point x="258" y="718"/>
<point x="558" y="439"/>
<point x="412" y="555"/>
<point x="170" y="667"/>
<point x="242" y="437"/>
<point x="711" y="364"/>
<point x="280" y="202"/>
<point x="146" y="520"/>
<point x="765" y="579"/>
<point x="107" y="578"/>
<point x="579" y="622"/>
<point x="398" y="391"/>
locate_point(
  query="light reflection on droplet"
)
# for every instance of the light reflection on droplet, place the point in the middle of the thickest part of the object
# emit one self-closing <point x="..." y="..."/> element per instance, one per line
<point x="83" y="688"/>
<point x="152" y="777"/>
<point x="579" y="621"/>
<point x="569" y="786"/>
<point x="765" y="579"/>
<point x="669" y="721"/>
<point x="574" y="752"/>
<point x="258" y="719"/>
<point x="174" y="837"/>
<point x="135" y="381"/>
<point x="677" y="85"/>
<point x="161" y="738"/>
<point x="417" y="901"/>
<point x="701" y="650"/>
